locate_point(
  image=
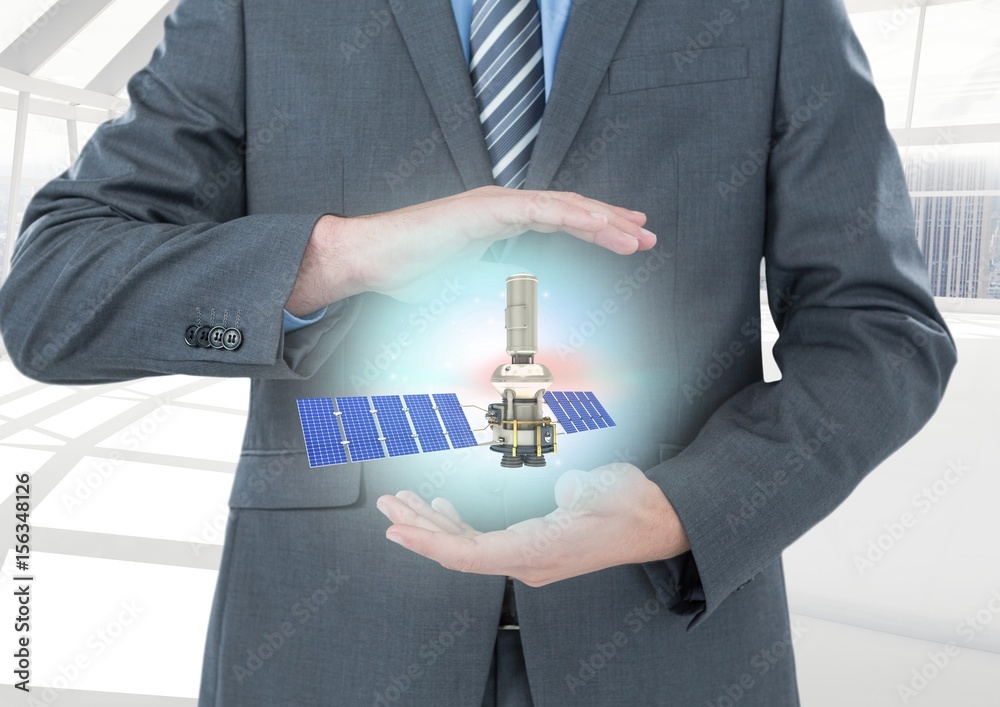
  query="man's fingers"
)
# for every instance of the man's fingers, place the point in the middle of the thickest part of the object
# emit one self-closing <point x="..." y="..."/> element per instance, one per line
<point x="399" y="513"/>
<point x="594" y="205"/>
<point x="443" y="505"/>
<point x="421" y="507"/>
<point x="593" y="222"/>
<point x="488" y="553"/>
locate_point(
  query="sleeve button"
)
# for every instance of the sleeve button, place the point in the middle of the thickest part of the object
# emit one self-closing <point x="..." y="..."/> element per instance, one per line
<point x="203" y="338"/>
<point x="232" y="339"/>
<point x="215" y="337"/>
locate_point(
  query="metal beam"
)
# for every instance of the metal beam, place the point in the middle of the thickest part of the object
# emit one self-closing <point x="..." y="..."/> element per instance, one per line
<point x="133" y="56"/>
<point x="915" y="68"/>
<point x="20" y="134"/>
<point x="50" y="89"/>
<point x="50" y="33"/>
<point x="856" y="6"/>
<point x="54" y="109"/>
<point x="946" y="135"/>
<point x="74" y="140"/>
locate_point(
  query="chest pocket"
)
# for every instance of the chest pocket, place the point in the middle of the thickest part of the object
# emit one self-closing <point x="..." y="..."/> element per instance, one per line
<point x="677" y="68"/>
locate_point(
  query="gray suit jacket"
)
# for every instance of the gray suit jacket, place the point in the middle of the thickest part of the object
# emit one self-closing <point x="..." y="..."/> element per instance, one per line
<point x="744" y="130"/>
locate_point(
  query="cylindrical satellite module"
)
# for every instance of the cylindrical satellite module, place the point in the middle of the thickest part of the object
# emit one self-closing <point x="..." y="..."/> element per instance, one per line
<point x="521" y="317"/>
<point x="521" y="430"/>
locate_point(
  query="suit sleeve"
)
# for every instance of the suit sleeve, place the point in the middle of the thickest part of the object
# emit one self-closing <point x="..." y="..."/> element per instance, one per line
<point x="148" y="232"/>
<point x="863" y="352"/>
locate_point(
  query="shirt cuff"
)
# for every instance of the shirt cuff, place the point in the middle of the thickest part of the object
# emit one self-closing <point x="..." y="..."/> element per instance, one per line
<point x="292" y="322"/>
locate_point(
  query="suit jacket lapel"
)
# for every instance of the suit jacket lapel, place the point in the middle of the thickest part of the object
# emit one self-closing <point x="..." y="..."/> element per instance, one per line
<point x="592" y="34"/>
<point x="428" y="28"/>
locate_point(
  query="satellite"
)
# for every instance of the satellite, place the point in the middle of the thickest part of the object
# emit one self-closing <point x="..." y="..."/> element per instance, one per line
<point x="354" y="429"/>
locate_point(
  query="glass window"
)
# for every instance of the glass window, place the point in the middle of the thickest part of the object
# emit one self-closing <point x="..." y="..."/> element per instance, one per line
<point x="84" y="131"/>
<point x="959" y="78"/>
<point x="8" y="119"/>
<point x="98" y="43"/>
<point x="46" y="149"/>
<point x="956" y="203"/>
<point x="889" y="38"/>
<point x="19" y="16"/>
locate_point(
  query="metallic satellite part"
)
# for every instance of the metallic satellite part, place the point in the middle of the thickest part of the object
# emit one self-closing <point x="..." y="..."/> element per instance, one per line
<point x="525" y="379"/>
<point x="521" y="318"/>
<point x="524" y="430"/>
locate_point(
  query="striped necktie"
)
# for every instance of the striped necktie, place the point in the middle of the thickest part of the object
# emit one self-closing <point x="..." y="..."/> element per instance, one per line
<point x="508" y="81"/>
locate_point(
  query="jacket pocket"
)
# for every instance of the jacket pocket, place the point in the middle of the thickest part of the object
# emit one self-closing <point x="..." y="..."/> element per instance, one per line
<point x="669" y="450"/>
<point x="677" y="68"/>
<point x="281" y="479"/>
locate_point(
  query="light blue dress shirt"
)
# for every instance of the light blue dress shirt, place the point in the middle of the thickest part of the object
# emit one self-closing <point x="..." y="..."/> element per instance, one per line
<point x="555" y="13"/>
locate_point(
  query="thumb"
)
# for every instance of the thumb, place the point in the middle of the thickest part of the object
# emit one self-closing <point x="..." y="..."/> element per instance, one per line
<point x="569" y="489"/>
<point x="600" y="490"/>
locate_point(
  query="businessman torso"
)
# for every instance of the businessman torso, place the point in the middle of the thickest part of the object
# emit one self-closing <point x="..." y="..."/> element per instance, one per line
<point x="358" y="108"/>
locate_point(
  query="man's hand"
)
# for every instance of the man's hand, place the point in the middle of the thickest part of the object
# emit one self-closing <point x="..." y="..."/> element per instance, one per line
<point x="386" y="252"/>
<point x="611" y="516"/>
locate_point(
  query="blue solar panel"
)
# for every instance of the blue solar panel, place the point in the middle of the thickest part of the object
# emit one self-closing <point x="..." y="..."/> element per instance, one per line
<point x="396" y="428"/>
<point x="581" y="411"/>
<point x="459" y="433"/>
<point x="571" y="411"/>
<point x="561" y="415"/>
<point x="426" y="423"/>
<point x="595" y="416"/>
<point x="359" y="429"/>
<point x="324" y="446"/>
<point x="600" y="408"/>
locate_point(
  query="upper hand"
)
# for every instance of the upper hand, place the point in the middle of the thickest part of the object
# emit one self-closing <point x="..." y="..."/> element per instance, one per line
<point x="610" y="516"/>
<point x="386" y="252"/>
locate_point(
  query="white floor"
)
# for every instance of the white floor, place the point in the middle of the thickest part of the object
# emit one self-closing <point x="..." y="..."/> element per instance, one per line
<point x="128" y="552"/>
